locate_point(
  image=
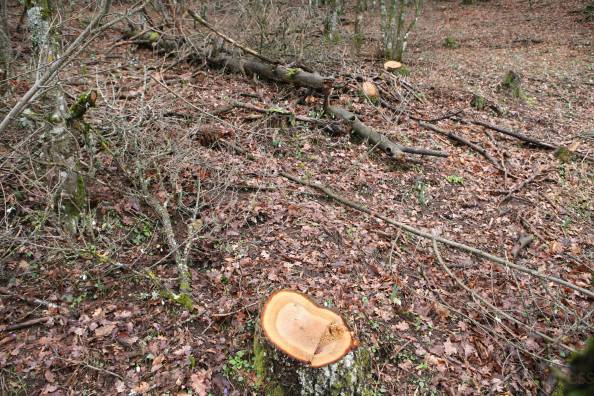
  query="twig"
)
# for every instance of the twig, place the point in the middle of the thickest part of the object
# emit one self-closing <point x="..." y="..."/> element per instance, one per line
<point x="28" y="323"/>
<point x="501" y="261"/>
<point x="101" y="370"/>
<point x="509" y="132"/>
<point x="460" y="139"/>
<point x="7" y="339"/>
<point x="297" y="117"/>
<point x="222" y="315"/>
<point x="525" y="182"/>
<point x="488" y="304"/>
<point x="440" y="118"/>
<point x="30" y="300"/>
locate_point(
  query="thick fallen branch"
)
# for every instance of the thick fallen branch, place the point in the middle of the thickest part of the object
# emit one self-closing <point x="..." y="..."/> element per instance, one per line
<point x="377" y="139"/>
<point x="271" y="72"/>
<point x="501" y="261"/>
<point x="460" y="139"/>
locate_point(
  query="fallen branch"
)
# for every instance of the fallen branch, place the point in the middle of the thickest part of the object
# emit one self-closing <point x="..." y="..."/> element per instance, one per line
<point x="377" y="139"/>
<point x="491" y="306"/>
<point x="501" y="261"/>
<point x="271" y="72"/>
<point x="460" y="139"/>
<point x="509" y="132"/>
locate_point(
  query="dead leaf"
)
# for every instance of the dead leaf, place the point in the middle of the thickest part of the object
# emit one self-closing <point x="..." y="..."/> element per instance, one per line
<point x="141" y="388"/>
<point x="439" y="363"/>
<point x="450" y="348"/>
<point x="120" y="386"/>
<point x="49" y="376"/>
<point x="157" y="363"/>
<point x="126" y="339"/>
<point x="104" y="330"/>
<point x="200" y="382"/>
<point x="402" y="326"/>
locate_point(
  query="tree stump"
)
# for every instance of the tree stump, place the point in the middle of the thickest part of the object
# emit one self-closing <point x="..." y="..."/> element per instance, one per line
<point x="301" y="348"/>
<point x="279" y="375"/>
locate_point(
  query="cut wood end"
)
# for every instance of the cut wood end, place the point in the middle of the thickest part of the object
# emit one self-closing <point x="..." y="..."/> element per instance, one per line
<point x="301" y="329"/>
<point x="392" y="65"/>
<point x="370" y="90"/>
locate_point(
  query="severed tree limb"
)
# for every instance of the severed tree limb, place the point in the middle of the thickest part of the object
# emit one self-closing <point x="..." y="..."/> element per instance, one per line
<point x="267" y="71"/>
<point x="228" y="39"/>
<point x="491" y="306"/>
<point x="460" y="139"/>
<point x="375" y="138"/>
<point x="501" y="261"/>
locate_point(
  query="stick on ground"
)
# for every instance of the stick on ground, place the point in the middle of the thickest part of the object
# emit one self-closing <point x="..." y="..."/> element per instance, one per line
<point x="501" y="261"/>
<point x="460" y="139"/>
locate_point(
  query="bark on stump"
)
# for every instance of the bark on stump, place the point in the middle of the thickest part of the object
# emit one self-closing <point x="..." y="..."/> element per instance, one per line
<point x="279" y="375"/>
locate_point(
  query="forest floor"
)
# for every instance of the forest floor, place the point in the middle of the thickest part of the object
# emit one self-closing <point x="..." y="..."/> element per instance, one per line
<point x="113" y="332"/>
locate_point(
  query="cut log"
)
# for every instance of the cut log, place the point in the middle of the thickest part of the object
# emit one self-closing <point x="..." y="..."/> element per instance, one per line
<point x="270" y="72"/>
<point x="377" y="139"/>
<point x="304" y="331"/>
